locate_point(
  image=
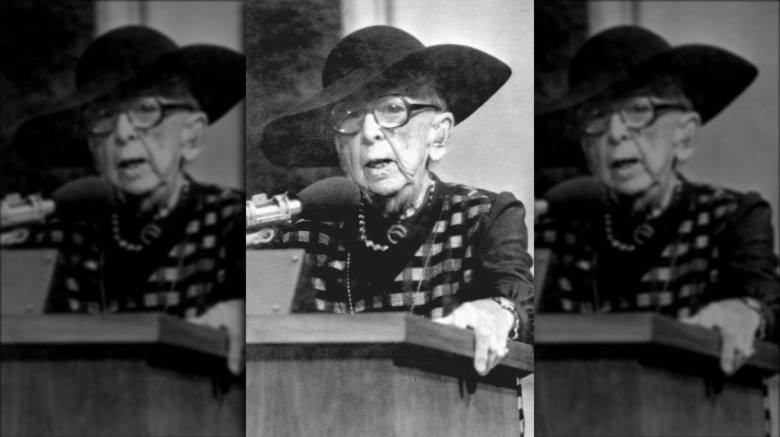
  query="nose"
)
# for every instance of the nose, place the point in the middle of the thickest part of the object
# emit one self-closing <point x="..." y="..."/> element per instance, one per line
<point x="124" y="129"/>
<point x="371" y="131"/>
<point x="617" y="131"/>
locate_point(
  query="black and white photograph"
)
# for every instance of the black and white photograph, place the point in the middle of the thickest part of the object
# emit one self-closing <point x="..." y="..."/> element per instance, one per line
<point x="389" y="163"/>
<point x="122" y="271"/>
<point x="657" y="189"/>
<point x="462" y="218"/>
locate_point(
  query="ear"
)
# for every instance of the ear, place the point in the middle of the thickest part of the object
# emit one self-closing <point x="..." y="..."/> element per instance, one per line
<point x="192" y="132"/>
<point x="441" y="128"/>
<point x="587" y="151"/>
<point x="685" y="135"/>
<point x="344" y="158"/>
<point x="94" y="151"/>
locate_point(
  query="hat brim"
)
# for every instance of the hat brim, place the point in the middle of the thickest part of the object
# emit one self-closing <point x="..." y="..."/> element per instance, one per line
<point x="710" y="76"/>
<point x="465" y="77"/>
<point x="215" y="76"/>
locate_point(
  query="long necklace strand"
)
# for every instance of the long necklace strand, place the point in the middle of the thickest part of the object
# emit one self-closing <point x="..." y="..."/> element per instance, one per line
<point x="429" y="243"/>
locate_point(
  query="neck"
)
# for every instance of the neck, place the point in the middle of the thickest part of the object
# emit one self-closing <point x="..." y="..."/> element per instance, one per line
<point x="410" y="196"/>
<point x="651" y="202"/>
<point x="159" y="202"/>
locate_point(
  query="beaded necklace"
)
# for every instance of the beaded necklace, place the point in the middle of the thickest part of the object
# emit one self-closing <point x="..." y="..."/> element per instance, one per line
<point x="150" y="232"/>
<point x="396" y="232"/>
<point x="643" y="232"/>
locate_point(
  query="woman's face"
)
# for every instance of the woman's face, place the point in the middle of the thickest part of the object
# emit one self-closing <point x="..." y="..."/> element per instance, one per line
<point x="631" y="160"/>
<point x="383" y="161"/>
<point x="139" y="160"/>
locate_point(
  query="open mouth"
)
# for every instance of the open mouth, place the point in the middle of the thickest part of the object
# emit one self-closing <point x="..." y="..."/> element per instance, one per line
<point x="378" y="164"/>
<point x="130" y="164"/>
<point x="623" y="164"/>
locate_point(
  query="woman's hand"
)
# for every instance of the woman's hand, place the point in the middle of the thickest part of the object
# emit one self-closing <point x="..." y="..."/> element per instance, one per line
<point x="491" y="325"/>
<point x="229" y="315"/>
<point x="737" y="323"/>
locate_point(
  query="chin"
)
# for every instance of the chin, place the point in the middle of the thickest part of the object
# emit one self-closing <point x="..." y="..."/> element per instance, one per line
<point x="138" y="188"/>
<point x="631" y="188"/>
<point x="385" y="187"/>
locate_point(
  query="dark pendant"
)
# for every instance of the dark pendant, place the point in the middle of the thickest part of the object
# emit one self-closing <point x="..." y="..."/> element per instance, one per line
<point x="643" y="233"/>
<point x="150" y="233"/>
<point x="396" y="233"/>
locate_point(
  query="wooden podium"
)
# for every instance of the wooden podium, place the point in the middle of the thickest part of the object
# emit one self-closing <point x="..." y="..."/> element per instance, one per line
<point x="375" y="375"/>
<point x="643" y="374"/>
<point x="125" y="374"/>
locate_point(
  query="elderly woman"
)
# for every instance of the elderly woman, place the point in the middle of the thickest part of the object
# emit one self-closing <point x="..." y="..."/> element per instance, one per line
<point x="658" y="242"/>
<point x="154" y="239"/>
<point x="416" y="244"/>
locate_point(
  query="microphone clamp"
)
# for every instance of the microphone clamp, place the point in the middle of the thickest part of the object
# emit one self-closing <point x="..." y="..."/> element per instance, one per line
<point x="262" y="211"/>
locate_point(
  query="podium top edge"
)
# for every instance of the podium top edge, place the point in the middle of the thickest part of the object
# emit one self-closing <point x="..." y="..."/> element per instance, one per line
<point x="641" y="329"/>
<point x="373" y="328"/>
<point x="123" y="328"/>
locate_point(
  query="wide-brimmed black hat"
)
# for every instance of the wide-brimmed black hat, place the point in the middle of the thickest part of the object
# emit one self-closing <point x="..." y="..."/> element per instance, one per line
<point x="464" y="76"/>
<point x="627" y="56"/>
<point x="134" y="58"/>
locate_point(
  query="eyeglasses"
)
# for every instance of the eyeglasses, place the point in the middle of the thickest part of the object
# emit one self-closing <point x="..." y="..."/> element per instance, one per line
<point x="143" y="113"/>
<point x="390" y="111"/>
<point x="635" y="113"/>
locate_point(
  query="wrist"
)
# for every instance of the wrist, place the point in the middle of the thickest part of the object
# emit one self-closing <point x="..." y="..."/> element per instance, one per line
<point x="507" y="305"/>
<point x="755" y="305"/>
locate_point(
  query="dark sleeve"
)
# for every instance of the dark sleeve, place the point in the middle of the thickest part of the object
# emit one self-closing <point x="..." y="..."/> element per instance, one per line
<point x="502" y="259"/>
<point x="751" y="264"/>
<point x="234" y="286"/>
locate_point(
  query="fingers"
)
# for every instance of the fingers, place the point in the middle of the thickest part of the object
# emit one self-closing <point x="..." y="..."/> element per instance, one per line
<point x="728" y="352"/>
<point x="490" y="335"/>
<point x="736" y="350"/>
<point x="235" y="353"/>
<point x="481" y="351"/>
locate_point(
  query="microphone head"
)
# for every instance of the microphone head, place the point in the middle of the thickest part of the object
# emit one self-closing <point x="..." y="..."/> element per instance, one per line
<point x="576" y="197"/>
<point x="82" y="198"/>
<point x="330" y="199"/>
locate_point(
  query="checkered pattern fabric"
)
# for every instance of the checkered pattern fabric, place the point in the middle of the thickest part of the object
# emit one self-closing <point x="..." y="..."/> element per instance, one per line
<point x="674" y="284"/>
<point x="449" y="268"/>
<point x="204" y="265"/>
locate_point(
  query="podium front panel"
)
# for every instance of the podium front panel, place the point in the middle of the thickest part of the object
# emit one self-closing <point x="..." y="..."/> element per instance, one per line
<point x="376" y="375"/>
<point x="116" y="376"/>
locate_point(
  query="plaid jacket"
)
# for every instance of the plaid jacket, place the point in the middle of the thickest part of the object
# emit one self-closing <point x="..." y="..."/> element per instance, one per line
<point x="719" y="246"/>
<point x="475" y="247"/>
<point x="199" y="262"/>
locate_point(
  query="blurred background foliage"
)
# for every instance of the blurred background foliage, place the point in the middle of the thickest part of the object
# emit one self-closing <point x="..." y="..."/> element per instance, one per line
<point x="286" y="46"/>
<point x="41" y="42"/>
<point x="560" y="28"/>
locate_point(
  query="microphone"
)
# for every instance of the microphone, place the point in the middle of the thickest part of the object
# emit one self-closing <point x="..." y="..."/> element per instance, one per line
<point x="324" y="200"/>
<point x="75" y="199"/>
<point x="17" y="211"/>
<point x="573" y="198"/>
<point x="82" y="198"/>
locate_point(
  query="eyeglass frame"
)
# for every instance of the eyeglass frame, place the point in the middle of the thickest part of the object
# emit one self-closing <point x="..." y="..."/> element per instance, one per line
<point x="408" y="106"/>
<point x="657" y="110"/>
<point x="166" y="109"/>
